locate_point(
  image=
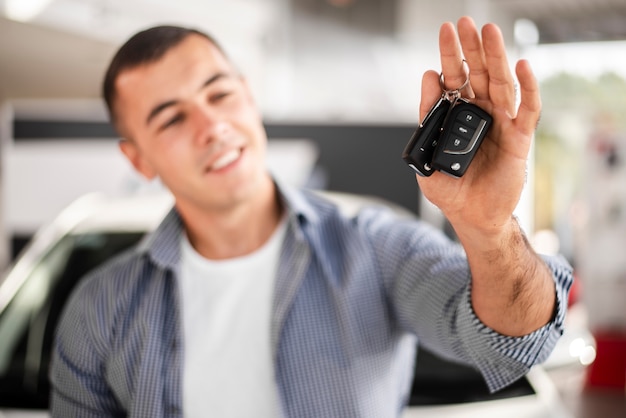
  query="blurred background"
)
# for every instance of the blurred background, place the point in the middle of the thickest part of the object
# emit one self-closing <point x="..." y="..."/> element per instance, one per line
<point x="338" y="82"/>
<point x="311" y="63"/>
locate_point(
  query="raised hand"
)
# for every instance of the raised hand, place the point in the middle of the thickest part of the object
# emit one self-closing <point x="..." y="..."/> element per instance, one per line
<point x="486" y="196"/>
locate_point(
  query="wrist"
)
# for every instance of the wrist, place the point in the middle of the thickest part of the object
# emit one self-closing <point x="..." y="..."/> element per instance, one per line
<point x="494" y="237"/>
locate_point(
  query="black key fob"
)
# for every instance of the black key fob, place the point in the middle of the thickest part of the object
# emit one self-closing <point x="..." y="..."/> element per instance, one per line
<point x="418" y="153"/>
<point x="464" y="130"/>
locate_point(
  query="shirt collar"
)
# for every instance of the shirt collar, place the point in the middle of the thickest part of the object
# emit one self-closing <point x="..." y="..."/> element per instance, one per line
<point x="163" y="245"/>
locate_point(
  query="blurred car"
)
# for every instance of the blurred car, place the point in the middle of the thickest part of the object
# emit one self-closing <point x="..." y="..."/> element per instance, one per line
<point x="95" y="228"/>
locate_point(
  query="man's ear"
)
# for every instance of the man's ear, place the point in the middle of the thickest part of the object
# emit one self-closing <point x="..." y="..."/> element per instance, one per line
<point x="133" y="154"/>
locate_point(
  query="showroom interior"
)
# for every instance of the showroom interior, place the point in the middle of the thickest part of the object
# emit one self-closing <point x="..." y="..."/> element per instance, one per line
<point x="338" y="84"/>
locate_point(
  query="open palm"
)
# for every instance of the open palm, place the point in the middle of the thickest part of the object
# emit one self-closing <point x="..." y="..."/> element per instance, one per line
<point x="489" y="191"/>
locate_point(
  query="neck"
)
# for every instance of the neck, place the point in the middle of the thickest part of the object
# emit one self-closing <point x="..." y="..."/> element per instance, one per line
<point x="234" y="232"/>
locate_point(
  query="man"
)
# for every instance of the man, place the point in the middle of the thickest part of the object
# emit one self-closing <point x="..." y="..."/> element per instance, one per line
<point x="253" y="299"/>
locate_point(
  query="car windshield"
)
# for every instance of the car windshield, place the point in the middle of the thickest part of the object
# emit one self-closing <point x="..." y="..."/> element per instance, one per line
<point x="27" y="324"/>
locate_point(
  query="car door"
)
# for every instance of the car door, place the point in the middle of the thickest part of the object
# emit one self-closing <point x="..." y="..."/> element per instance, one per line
<point x="28" y="320"/>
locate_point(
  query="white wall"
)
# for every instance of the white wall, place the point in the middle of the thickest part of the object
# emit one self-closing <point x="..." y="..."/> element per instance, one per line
<point x="43" y="177"/>
<point x="39" y="178"/>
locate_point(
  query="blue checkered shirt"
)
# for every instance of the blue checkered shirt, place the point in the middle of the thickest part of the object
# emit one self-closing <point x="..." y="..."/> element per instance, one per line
<point x="353" y="296"/>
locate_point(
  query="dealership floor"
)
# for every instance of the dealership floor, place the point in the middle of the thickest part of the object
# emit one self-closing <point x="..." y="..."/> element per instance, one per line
<point x="587" y="403"/>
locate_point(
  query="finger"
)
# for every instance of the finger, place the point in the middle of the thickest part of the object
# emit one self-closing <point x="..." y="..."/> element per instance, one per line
<point x="431" y="92"/>
<point x="473" y="51"/>
<point x="451" y="57"/>
<point x="501" y="83"/>
<point x="530" y="104"/>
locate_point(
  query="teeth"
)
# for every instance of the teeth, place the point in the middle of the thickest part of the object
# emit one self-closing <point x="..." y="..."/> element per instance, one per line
<point x="226" y="159"/>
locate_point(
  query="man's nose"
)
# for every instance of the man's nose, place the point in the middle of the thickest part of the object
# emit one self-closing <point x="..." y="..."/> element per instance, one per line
<point x="208" y="123"/>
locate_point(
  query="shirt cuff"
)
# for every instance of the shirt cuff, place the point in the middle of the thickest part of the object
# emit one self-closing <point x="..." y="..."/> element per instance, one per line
<point x="503" y="359"/>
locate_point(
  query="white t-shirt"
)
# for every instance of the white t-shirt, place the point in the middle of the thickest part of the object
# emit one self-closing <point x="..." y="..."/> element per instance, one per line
<point x="226" y="310"/>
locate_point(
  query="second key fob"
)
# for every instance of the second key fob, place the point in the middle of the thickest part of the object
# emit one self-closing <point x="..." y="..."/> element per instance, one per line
<point x="418" y="153"/>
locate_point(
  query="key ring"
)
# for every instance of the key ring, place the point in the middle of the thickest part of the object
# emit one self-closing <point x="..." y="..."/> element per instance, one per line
<point x="455" y="93"/>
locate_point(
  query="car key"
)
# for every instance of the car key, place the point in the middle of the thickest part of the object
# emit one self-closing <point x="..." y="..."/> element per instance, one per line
<point x="418" y="153"/>
<point x="464" y="130"/>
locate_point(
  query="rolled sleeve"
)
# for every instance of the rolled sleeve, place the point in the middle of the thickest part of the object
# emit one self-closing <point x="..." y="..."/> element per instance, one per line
<point x="503" y="359"/>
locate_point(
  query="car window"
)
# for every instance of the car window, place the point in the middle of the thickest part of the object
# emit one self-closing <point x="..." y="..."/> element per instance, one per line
<point x="441" y="382"/>
<point x="27" y="324"/>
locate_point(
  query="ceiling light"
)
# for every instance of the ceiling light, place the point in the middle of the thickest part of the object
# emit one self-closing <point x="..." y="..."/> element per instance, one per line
<point x="24" y="10"/>
<point x="526" y="32"/>
<point x="341" y="3"/>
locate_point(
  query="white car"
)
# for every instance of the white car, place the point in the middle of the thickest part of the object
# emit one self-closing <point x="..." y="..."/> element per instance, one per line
<point x="95" y="227"/>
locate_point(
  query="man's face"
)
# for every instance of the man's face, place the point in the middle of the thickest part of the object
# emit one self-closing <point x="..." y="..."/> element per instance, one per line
<point x="191" y="120"/>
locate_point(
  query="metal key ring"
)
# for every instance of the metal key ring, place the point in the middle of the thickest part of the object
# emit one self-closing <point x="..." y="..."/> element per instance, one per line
<point x="456" y="91"/>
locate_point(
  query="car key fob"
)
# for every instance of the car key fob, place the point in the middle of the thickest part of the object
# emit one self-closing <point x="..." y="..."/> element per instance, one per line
<point x="464" y="130"/>
<point x="418" y="153"/>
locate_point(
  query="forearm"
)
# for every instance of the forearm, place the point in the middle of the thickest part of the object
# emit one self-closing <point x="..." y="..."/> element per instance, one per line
<point x="512" y="288"/>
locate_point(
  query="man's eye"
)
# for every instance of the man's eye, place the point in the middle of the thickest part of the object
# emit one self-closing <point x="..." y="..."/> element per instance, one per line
<point x="219" y="96"/>
<point x="172" y="121"/>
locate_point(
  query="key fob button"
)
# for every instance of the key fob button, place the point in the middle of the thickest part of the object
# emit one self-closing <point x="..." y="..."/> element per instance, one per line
<point x="469" y="118"/>
<point x="463" y="131"/>
<point x="457" y="143"/>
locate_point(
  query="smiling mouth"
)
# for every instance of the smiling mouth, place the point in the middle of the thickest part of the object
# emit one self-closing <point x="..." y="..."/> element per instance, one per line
<point x="226" y="159"/>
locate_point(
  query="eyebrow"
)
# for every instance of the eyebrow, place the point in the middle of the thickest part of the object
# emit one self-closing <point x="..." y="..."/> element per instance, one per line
<point x="162" y="106"/>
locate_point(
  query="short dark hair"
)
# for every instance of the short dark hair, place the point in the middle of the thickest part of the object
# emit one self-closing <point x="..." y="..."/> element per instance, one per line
<point x="145" y="47"/>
